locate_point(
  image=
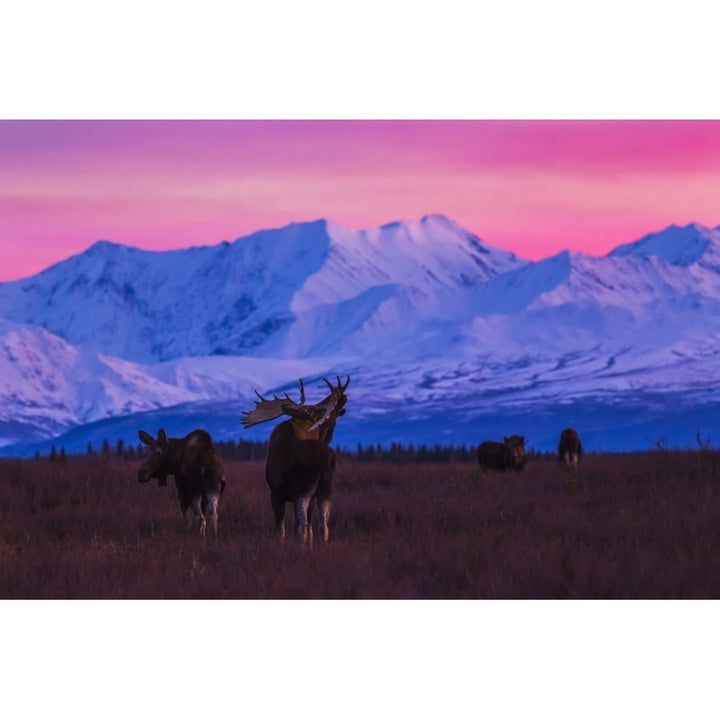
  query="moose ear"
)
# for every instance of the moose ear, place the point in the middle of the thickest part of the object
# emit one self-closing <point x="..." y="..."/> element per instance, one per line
<point x="162" y="437"/>
<point x="145" y="437"/>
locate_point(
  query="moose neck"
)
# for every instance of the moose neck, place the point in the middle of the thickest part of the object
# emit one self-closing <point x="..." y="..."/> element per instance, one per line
<point x="302" y="429"/>
<point x="327" y="433"/>
<point x="175" y="447"/>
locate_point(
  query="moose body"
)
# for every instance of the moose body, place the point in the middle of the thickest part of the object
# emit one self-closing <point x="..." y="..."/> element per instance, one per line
<point x="198" y="470"/>
<point x="570" y="448"/>
<point x="506" y="455"/>
<point x="301" y="464"/>
<point x="299" y="472"/>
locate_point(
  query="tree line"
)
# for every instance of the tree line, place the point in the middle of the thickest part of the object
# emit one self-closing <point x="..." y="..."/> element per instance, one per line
<point x="251" y="450"/>
<point x="230" y="450"/>
<point x="245" y="450"/>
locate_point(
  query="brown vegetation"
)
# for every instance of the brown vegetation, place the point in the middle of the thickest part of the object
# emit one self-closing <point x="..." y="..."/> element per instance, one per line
<point x="634" y="526"/>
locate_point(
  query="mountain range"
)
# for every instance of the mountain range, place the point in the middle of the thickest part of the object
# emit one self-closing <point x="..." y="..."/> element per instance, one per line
<point x="446" y="338"/>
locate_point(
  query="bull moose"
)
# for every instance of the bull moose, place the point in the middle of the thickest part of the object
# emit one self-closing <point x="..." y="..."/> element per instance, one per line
<point x="198" y="470"/>
<point x="300" y="464"/>
<point x="509" y="454"/>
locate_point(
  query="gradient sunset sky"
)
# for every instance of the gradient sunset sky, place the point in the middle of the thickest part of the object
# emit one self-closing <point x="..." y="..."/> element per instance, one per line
<point x="533" y="187"/>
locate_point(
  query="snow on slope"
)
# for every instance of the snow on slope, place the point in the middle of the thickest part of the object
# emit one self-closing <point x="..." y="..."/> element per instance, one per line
<point x="226" y="378"/>
<point x="51" y="384"/>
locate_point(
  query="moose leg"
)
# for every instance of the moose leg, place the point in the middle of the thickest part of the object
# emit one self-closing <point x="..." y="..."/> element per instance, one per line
<point x="182" y="496"/>
<point x="198" y="519"/>
<point x="184" y="506"/>
<point x="302" y="529"/>
<point x="324" y="513"/>
<point x="310" y="512"/>
<point x="278" y="505"/>
<point x="212" y="501"/>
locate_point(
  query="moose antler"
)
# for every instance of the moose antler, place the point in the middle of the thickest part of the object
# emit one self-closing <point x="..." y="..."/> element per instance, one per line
<point x="317" y="414"/>
<point x="270" y="409"/>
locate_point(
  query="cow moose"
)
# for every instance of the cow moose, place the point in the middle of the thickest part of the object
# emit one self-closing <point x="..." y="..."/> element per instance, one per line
<point x="509" y="454"/>
<point x="570" y="449"/>
<point x="300" y="464"/>
<point x="198" y="470"/>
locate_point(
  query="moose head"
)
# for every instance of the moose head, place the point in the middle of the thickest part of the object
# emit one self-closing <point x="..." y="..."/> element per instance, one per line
<point x="156" y="462"/>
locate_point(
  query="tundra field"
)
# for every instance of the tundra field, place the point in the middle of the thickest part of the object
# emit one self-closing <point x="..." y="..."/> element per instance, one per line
<point x="644" y="525"/>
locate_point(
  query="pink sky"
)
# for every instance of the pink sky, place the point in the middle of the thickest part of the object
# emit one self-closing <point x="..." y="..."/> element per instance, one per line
<point x="533" y="187"/>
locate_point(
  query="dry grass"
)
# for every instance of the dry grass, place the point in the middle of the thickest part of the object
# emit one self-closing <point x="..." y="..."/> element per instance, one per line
<point x="635" y="526"/>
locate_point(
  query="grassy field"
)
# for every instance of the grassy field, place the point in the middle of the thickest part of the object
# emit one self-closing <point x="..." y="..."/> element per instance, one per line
<point x="635" y="526"/>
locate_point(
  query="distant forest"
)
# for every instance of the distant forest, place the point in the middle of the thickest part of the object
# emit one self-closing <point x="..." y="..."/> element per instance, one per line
<point x="247" y="450"/>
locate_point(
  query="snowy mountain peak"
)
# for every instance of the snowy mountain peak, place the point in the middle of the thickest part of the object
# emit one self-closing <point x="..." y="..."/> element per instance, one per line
<point x="681" y="246"/>
<point x="103" y="246"/>
<point x="108" y="250"/>
<point x="437" y="220"/>
<point x="307" y="227"/>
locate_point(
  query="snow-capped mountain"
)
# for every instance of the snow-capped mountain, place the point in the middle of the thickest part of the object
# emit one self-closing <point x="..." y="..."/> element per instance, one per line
<point x="444" y="337"/>
<point x="275" y="293"/>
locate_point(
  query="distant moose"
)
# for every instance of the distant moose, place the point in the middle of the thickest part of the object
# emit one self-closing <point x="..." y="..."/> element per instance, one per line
<point x="569" y="448"/>
<point x="198" y="470"/>
<point x="507" y="455"/>
<point x="301" y="464"/>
